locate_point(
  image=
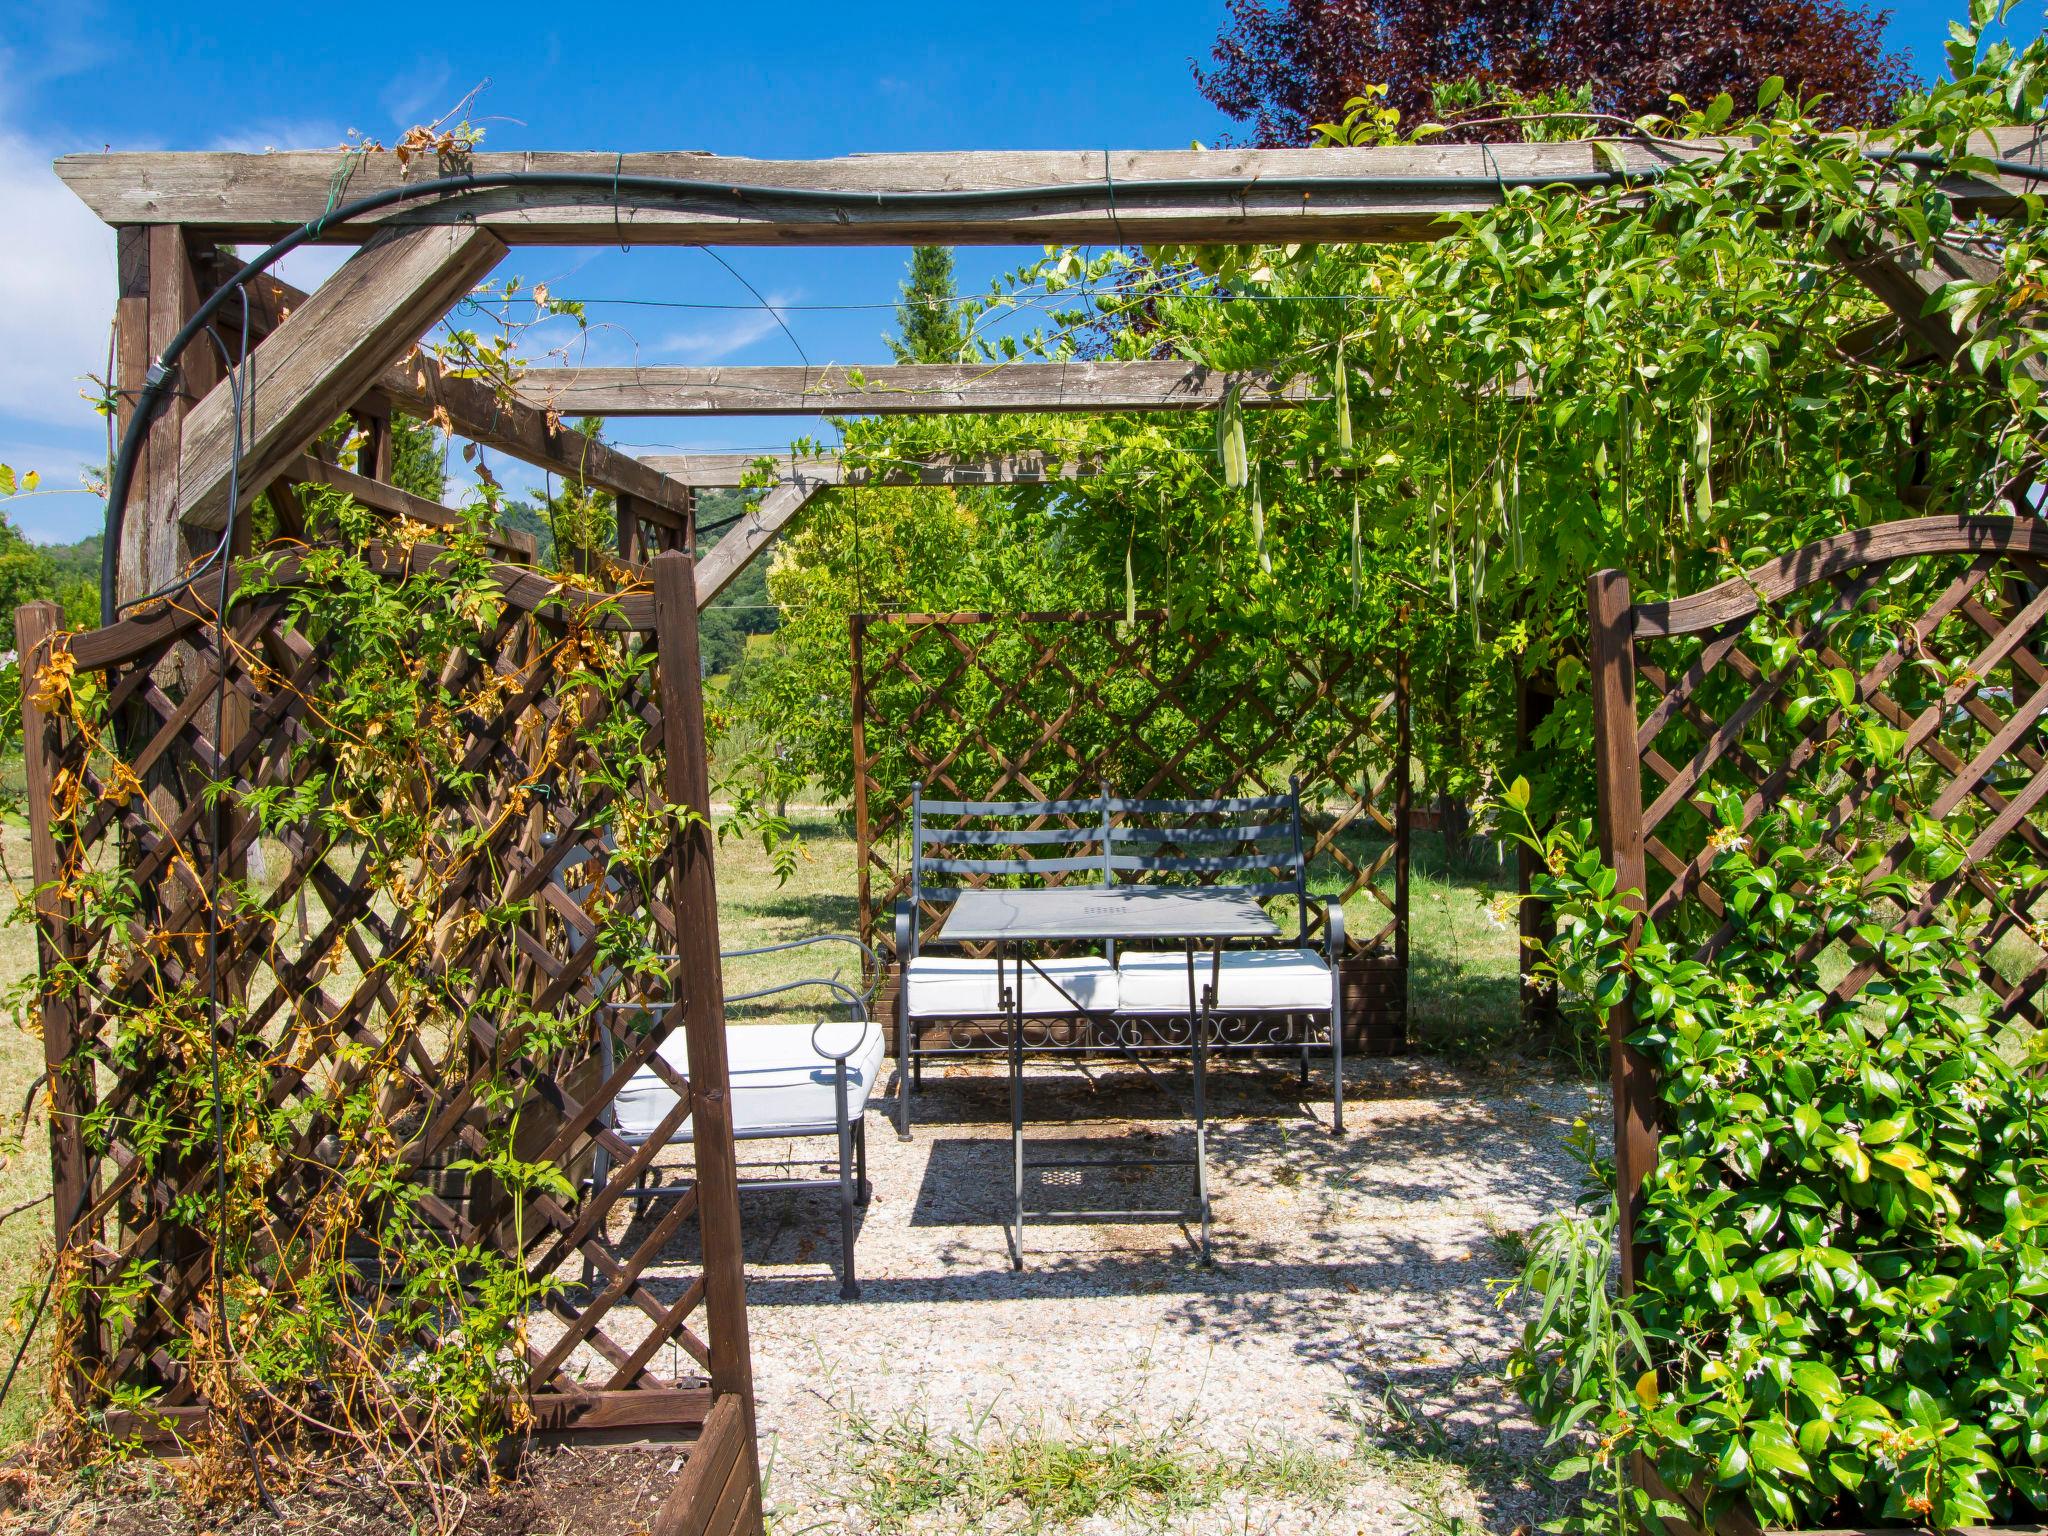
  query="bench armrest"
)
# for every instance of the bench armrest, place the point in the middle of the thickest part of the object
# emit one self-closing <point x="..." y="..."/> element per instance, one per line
<point x="854" y="1000"/>
<point x="874" y="961"/>
<point x="906" y="934"/>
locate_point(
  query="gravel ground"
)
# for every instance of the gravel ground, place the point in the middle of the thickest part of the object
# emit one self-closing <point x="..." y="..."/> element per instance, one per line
<point x="1346" y="1326"/>
<point x="1338" y="1369"/>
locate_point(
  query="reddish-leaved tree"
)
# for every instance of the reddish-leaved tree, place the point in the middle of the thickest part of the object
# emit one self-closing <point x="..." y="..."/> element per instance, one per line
<point x="1282" y="66"/>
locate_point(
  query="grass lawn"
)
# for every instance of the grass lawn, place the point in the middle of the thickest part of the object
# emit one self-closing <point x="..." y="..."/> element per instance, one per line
<point x="24" y="1152"/>
<point x="1462" y="1002"/>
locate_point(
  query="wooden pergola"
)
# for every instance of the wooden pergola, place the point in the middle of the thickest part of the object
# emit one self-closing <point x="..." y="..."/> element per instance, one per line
<point x="339" y="351"/>
<point x="350" y="349"/>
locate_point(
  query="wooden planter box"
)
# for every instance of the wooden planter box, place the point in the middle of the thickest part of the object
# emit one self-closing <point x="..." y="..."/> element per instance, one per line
<point x="1375" y="1004"/>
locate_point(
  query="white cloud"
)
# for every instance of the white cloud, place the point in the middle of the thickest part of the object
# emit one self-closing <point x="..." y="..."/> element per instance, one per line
<point x="283" y="133"/>
<point x="716" y="341"/>
<point x="60" y="516"/>
<point x="61" y="509"/>
<point x="57" y="282"/>
<point x="415" y="95"/>
<point x="58" y="276"/>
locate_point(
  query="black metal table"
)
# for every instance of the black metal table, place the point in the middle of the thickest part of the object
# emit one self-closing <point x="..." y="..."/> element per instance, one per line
<point x="1191" y="919"/>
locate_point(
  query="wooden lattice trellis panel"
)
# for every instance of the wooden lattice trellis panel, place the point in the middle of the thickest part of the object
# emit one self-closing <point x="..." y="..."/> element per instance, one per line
<point x="314" y="963"/>
<point x="1053" y="705"/>
<point x="1931" y="627"/>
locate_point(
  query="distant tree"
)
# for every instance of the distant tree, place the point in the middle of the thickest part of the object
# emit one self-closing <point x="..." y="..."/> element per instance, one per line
<point x="417" y="461"/>
<point x="75" y="575"/>
<point x="574" y="526"/>
<point x="529" y="518"/>
<point x="1282" y="66"/>
<point x="29" y="574"/>
<point x="927" y="319"/>
<point x="743" y="608"/>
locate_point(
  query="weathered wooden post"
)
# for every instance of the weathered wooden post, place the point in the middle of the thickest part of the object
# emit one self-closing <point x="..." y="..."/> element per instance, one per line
<point x="1619" y="772"/>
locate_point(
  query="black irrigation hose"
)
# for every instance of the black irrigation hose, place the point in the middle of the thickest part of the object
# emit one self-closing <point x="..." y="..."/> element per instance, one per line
<point x="156" y="383"/>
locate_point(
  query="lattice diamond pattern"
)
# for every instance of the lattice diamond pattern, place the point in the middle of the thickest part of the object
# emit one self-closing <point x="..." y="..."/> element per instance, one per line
<point x="1049" y="706"/>
<point x="1942" y="652"/>
<point x="316" y="960"/>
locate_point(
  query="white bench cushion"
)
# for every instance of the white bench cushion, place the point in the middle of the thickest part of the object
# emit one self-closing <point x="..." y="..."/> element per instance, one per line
<point x="948" y="986"/>
<point x="1250" y="981"/>
<point x="779" y="1081"/>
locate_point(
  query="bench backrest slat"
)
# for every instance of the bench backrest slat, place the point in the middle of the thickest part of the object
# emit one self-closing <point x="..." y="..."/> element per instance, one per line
<point x="1086" y="807"/>
<point x="1004" y="836"/>
<point x="1192" y="863"/>
<point x="1185" y="835"/>
<point x="1112" y="848"/>
<point x="1065" y="866"/>
<point x="1239" y="804"/>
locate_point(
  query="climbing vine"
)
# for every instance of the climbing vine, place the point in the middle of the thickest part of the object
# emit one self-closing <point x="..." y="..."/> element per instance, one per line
<point x="1838" y="1317"/>
<point x="276" y="1098"/>
<point x="1678" y="376"/>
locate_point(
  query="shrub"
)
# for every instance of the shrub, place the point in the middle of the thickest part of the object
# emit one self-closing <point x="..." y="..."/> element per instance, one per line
<point x="1840" y="1316"/>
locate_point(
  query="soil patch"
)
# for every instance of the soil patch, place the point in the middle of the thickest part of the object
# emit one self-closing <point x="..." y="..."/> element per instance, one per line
<point x="562" y="1491"/>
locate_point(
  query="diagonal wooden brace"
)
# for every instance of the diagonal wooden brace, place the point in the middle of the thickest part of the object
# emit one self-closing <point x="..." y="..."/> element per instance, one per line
<point x="726" y="559"/>
<point x="1907" y="281"/>
<point x="320" y="361"/>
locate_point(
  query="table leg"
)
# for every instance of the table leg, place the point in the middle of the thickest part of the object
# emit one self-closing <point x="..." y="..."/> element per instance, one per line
<point x="1013" y="1009"/>
<point x="1200" y="1000"/>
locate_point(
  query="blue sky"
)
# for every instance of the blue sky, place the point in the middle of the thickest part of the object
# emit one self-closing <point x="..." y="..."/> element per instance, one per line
<point x="800" y="78"/>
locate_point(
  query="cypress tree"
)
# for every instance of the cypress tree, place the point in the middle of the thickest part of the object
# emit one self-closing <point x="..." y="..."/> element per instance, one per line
<point x="927" y="320"/>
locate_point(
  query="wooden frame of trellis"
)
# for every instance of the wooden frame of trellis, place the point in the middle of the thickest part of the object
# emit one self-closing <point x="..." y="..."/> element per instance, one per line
<point x="1655" y="669"/>
<point x="1126" y="650"/>
<point x="348" y="348"/>
<point x="114" y="1216"/>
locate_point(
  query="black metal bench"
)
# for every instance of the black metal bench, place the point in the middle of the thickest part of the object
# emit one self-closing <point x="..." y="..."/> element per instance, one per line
<point x="1278" y="999"/>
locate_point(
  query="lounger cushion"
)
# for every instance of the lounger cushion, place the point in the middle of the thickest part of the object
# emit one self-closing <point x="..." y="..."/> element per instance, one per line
<point x="950" y="986"/>
<point x="1251" y="981"/>
<point x="779" y="1081"/>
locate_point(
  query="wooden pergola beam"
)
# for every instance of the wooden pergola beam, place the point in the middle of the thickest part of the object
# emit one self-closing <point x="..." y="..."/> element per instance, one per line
<point x="1027" y="197"/>
<point x="724" y="561"/>
<point x="1906" y="280"/>
<point x="901" y="389"/>
<point x="806" y="478"/>
<point x="475" y="410"/>
<point x="322" y="359"/>
<point x="707" y="471"/>
<point x="385" y="497"/>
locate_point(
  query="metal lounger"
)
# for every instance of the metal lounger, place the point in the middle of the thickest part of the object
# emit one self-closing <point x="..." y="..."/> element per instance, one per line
<point x="777" y="1080"/>
<point x="776" y="1093"/>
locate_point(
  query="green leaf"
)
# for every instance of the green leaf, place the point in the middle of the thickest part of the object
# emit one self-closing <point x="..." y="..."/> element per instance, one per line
<point x="1923" y="1409"/>
<point x="1817" y="1381"/>
<point x="1733" y="1468"/>
<point x="1771" y="1447"/>
<point x="1775" y="1266"/>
